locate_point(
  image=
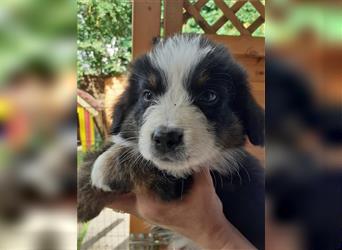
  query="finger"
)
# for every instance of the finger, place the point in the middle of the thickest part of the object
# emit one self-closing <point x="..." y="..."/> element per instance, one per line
<point x="202" y="179"/>
<point x="124" y="203"/>
<point x="145" y="196"/>
<point x="203" y="174"/>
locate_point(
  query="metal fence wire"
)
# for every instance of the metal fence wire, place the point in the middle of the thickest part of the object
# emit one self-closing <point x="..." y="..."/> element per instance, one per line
<point x="110" y="231"/>
<point x="147" y="242"/>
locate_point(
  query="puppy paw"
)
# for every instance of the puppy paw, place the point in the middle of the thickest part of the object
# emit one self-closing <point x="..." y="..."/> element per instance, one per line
<point x="98" y="181"/>
<point x="98" y="174"/>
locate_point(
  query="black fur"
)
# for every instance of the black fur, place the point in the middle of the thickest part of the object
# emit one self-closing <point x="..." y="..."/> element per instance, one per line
<point x="224" y="75"/>
<point x="242" y="197"/>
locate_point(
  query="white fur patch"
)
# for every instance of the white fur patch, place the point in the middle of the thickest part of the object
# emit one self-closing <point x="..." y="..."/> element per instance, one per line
<point x="98" y="174"/>
<point x="178" y="56"/>
<point x="199" y="142"/>
<point x="117" y="139"/>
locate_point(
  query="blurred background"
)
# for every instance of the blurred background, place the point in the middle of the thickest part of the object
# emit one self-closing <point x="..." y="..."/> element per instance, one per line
<point x="304" y="125"/>
<point x="37" y="124"/>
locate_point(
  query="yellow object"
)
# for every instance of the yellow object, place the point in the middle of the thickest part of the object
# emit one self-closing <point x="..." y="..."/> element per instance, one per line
<point x="83" y="138"/>
<point x="92" y="131"/>
<point x="6" y="109"/>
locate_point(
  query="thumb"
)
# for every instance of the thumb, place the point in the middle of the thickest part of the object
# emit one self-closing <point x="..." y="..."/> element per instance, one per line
<point x="124" y="203"/>
<point x="202" y="179"/>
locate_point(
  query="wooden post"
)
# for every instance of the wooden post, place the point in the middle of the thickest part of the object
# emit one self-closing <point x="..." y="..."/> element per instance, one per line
<point x="173" y="17"/>
<point x="146" y="24"/>
<point x="146" y="16"/>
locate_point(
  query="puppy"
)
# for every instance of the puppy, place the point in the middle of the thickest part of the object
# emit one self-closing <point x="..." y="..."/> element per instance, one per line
<point x="187" y="106"/>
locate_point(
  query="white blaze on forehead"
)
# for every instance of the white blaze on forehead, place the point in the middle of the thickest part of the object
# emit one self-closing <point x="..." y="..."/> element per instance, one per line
<point x="178" y="56"/>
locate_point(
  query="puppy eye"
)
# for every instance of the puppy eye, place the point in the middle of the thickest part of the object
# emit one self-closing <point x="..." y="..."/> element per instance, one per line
<point x="208" y="97"/>
<point x="148" y="95"/>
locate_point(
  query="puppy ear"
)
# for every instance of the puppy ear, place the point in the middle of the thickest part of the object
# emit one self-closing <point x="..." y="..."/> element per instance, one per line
<point x="253" y="119"/>
<point x="137" y="69"/>
<point x="249" y="112"/>
<point x="121" y="108"/>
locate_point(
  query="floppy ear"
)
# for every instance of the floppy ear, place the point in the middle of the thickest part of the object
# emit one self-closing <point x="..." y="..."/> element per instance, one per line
<point x="121" y="108"/>
<point x="137" y="69"/>
<point x="246" y="108"/>
<point x="253" y="119"/>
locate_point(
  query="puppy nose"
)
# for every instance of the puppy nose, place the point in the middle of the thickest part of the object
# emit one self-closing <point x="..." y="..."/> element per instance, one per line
<point x="167" y="139"/>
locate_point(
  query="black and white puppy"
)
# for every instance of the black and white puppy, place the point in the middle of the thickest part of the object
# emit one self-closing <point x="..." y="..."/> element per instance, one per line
<point x="187" y="106"/>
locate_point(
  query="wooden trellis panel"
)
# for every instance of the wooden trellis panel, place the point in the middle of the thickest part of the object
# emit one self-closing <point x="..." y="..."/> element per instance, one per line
<point x="177" y="13"/>
<point x="229" y="14"/>
<point x="223" y="19"/>
<point x="147" y="23"/>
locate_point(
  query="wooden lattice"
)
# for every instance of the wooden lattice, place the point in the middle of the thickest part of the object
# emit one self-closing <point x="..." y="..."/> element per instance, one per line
<point x="147" y="24"/>
<point x="229" y="14"/>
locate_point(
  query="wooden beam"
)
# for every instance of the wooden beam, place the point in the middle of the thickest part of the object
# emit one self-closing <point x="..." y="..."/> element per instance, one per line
<point x="238" y="5"/>
<point x="199" y="4"/>
<point x="242" y="45"/>
<point x="173" y="17"/>
<point x="219" y="23"/>
<point x="255" y="68"/>
<point x="256" y="24"/>
<point x="146" y="25"/>
<point x="259" y="7"/>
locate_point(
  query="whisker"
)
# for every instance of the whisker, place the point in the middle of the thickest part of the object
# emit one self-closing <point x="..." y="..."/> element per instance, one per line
<point x="182" y="189"/>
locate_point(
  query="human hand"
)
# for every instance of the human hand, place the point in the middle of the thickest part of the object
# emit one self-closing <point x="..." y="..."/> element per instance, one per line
<point x="198" y="215"/>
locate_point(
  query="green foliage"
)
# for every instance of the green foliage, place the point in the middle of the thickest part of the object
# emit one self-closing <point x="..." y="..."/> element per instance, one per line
<point x="104" y="37"/>
<point x="81" y="234"/>
<point x="36" y="35"/>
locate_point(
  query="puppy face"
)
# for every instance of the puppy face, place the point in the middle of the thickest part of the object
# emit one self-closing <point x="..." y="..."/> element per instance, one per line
<point x="187" y="106"/>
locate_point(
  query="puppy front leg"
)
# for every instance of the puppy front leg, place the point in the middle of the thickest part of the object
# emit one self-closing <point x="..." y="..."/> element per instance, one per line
<point x="101" y="168"/>
<point x="90" y="201"/>
<point x="99" y="178"/>
<point x="108" y="174"/>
